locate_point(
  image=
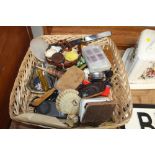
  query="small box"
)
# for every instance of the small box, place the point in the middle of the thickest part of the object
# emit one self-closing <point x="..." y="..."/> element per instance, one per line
<point x="95" y="58"/>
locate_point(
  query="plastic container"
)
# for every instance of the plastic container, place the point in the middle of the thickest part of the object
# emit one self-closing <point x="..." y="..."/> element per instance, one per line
<point x="95" y="58"/>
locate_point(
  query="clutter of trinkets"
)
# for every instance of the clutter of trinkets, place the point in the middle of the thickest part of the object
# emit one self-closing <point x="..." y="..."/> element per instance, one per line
<point x="74" y="78"/>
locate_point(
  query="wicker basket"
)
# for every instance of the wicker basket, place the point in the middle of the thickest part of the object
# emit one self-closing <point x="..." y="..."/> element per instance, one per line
<point x="21" y="95"/>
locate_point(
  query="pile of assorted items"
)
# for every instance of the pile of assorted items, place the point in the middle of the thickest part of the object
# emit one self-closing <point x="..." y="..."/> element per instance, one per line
<point x="74" y="80"/>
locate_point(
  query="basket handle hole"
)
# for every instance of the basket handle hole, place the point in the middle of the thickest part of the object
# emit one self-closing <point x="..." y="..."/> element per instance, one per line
<point x="124" y="109"/>
<point x="119" y="113"/>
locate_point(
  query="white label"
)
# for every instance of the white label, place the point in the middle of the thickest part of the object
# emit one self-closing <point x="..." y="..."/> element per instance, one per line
<point x="142" y="118"/>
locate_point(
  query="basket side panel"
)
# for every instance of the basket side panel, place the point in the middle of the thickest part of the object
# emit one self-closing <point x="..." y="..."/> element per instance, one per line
<point x="20" y="95"/>
<point x="121" y="89"/>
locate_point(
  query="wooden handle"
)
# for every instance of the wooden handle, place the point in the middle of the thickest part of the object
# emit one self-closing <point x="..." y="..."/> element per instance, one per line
<point x="94" y="95"/>
<point x="39" y="100"/>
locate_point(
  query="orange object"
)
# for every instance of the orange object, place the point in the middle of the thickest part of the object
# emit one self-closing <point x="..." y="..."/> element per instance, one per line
<point x="85" y="82"/>
<point x="106" y="91"/>
<point x="39" y="100"/>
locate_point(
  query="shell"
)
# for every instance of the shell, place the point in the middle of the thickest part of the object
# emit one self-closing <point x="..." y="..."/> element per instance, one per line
<point x="68" y="102"/>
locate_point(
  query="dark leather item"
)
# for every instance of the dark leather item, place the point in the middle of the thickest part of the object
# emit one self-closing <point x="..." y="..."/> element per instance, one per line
<point x="97" y="113"/>
<point x="91" y="89"/>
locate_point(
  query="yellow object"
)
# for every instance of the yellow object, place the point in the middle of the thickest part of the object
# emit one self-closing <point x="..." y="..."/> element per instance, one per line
<point x="71" y="56"/>
<point x="42" y="79"/>
<point x="148" y="39"/>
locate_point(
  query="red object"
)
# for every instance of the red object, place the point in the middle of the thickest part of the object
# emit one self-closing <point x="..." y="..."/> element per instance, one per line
<point x="106" y="91"/>
<point x="85" y="82"/>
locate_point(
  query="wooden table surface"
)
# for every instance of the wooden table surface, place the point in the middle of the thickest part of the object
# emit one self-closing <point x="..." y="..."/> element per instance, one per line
<point x="143" y="96"/>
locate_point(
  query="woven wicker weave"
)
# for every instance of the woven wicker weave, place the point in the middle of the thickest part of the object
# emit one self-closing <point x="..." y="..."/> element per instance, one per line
<point x="21" y="96"/>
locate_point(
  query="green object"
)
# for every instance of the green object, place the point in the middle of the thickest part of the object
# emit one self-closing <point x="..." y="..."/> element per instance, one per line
<point x="81" y="62"/>
<point x="83" y="66"/>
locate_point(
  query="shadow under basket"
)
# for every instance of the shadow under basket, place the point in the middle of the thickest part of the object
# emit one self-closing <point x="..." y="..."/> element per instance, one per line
<point x="21" y="96"/>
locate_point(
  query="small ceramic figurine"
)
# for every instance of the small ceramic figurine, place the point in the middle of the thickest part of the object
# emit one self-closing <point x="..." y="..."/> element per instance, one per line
<point x="68" y="102"/>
